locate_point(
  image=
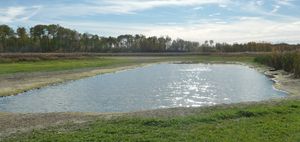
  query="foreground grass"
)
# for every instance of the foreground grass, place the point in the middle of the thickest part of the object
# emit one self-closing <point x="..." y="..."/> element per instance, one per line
<point x="69" y="64"/>
<point x="276" y="121"/>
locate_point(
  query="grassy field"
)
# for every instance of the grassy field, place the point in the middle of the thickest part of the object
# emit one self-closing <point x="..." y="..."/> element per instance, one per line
<point x="56" y="65"/>
<point x="275" y="122"/>
<point x="69" y="64"/>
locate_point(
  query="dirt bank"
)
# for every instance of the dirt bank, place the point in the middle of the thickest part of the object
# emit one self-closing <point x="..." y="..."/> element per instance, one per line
<point x="12" y="123"/>
<point x="283" y="80"/>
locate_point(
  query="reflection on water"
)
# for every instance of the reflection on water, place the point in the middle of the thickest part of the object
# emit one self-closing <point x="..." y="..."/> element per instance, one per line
<point x="157" y="86"/>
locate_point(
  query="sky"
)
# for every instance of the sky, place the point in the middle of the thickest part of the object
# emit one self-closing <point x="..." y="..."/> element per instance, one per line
<point x="229" y="21"/>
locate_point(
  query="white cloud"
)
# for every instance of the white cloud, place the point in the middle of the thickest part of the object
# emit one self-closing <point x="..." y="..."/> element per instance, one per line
<point x="260" y="2"/>
<point x="243" y="30"/>
<point x="198" y="8"/>
<point x="121" y="6"/>
<point x="281" y="3"/>
<point x="136" y="5"/>
<point x="285" y="2"/>
<point x="254" y="8"/>
<point x="251" y="29"/>
<point x="19" y="13"/>
<point x="214" y="14"/>
<point x="223" y="5"/>
<point x="275" y="8"/>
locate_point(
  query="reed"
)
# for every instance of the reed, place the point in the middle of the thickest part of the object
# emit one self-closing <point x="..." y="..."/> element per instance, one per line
<point x="287" y="61"/>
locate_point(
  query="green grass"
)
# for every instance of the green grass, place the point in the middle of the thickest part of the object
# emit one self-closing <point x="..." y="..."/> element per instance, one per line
<point x="69" y="64"/>
<point x="274" y="122"/>
<point x="57" y="65"/>
<point x="214" y="58"/>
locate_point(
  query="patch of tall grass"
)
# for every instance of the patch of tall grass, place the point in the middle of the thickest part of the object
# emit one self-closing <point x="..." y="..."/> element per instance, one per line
<point x="287" y="61"/>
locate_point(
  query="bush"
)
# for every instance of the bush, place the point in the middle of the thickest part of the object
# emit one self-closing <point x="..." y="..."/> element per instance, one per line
<point x="288" y="61"/>
<point x="264" y="59"/>
<point x="297" y="66"/>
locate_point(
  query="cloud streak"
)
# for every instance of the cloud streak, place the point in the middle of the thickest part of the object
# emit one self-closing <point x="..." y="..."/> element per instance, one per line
<point x="285" y="2"/>
<point x="19" y="13"/>
<point x="130" y="6"/>
<point x="118" y="7"/>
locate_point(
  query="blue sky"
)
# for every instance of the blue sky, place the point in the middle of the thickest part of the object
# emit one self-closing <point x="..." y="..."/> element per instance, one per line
<point x="198" y="20"/>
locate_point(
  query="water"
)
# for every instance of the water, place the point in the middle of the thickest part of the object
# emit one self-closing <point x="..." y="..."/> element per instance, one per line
<point x="151" y="87"/>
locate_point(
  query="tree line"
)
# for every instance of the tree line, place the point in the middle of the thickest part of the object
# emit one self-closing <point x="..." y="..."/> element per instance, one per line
<point x="55" y="38"/>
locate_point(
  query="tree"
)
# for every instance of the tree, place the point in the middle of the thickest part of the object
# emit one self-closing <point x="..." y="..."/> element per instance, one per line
<point x="55" y="38"/>
<point x="211" y="43"/>
<point x="6" y="33"/>
<point x="22" y="39"/>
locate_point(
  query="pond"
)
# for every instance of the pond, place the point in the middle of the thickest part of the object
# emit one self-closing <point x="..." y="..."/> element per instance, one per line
<point x="151" y="87"/>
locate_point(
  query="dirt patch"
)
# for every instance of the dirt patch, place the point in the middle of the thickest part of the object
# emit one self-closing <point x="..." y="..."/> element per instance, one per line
<point x="283" y="80"/>
<point x="14" y="123"/>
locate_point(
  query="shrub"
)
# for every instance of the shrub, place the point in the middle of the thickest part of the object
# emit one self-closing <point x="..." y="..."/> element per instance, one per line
<point x="297" y="66"/>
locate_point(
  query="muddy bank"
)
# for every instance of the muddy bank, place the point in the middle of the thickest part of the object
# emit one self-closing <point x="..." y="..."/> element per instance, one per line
<point x="283" y="80"/>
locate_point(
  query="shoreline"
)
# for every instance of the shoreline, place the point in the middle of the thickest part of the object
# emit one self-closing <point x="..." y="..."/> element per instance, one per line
<point x="283" y="81"/>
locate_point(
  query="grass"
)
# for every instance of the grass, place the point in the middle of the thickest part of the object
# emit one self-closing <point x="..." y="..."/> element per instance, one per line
<point x="222" y="59"/>
<point x="274" y="122"/>
<point x="69" y="64"/>
<point x="57" y="65"/>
